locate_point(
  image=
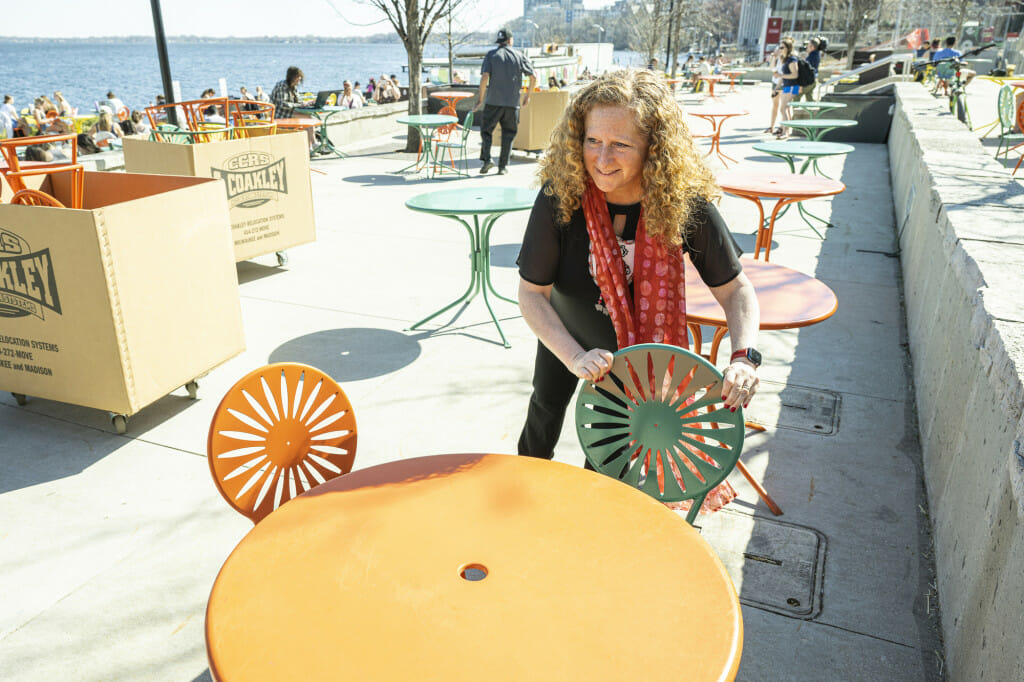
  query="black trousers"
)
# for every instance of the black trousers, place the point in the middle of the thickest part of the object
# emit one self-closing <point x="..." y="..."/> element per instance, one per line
<point x="508" y="117"/>
<point x="553" y="387"/>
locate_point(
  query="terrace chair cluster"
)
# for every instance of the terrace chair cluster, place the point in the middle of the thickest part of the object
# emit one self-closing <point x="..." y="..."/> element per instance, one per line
<point x="211" y="119"/>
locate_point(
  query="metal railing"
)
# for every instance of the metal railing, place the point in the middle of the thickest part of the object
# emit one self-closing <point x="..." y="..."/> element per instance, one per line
<point x="905" y="60"/>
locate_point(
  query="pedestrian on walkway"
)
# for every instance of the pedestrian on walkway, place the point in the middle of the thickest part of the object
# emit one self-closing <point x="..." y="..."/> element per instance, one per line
<point x="501" y="78"/>
<point x="813" y="58"/>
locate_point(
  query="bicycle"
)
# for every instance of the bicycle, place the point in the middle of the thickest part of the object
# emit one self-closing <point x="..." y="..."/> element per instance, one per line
<point x="947" y="73"/>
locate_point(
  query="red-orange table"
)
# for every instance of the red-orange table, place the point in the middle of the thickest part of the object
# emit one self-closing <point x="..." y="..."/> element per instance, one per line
<point x="711" y="80"/>
<point x="451" y="97"/>
<point x="788" y="299"/>
<point x="296" y="123"/>
<point x="787" y="188"/>
<point x="673" y="81"/>
<point x="717" y="118"/>
<point x="376" y="575"/>
<point x="732" y="78"/>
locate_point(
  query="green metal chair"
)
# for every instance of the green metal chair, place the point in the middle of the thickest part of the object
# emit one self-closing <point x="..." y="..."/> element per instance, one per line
<point x="168" y="132"/>
<point x="460" y="167"/>
<point x="657" y="422"/>
<point x="1004" y="106"/>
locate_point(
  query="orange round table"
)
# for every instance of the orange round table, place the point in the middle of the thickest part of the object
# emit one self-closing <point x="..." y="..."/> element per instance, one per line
<point x="451" y="97"/>
<point x="717" y="118"/>
<point x="732" y="78"/>
<point x="473" y="567"/>
<point x="711" y="80"/>
<point x="787" y="188"/>
<point x="296" y="123"/>
<point x="788" y="299"/>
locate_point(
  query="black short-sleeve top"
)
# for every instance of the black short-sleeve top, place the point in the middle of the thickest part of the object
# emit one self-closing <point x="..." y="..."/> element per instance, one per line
<point x="559" y="255"/>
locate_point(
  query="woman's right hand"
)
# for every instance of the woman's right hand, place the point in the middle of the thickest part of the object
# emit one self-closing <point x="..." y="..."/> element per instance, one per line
<point x="591" y="364"/>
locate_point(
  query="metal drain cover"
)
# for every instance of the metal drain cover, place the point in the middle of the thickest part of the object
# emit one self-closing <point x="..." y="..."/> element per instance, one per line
<point x="775" y="566"/>
<point x="797" y="407"/>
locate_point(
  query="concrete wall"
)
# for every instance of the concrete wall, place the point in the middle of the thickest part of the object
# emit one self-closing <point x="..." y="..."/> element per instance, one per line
<point x="358" y="125"/>
<point x="961" y="223"/>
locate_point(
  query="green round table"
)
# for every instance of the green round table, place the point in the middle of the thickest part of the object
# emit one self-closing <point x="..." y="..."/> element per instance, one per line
<point x="485" y="205"/>
<point x="788" y="150"/>
<point x="425" y="125"/>
<point x="814" y="128"/>
<point x="816" y="109"/>
<point x="323" y="114"/>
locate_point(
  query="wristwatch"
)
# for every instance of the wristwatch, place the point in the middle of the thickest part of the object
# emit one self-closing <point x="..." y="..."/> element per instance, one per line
<point x="751" y="355"/>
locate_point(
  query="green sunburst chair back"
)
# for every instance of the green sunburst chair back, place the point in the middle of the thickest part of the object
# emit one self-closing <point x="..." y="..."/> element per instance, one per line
<point x="657" y="422"/>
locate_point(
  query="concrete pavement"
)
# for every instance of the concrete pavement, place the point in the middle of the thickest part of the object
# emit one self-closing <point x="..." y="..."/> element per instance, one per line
<point x="109" y="544"/>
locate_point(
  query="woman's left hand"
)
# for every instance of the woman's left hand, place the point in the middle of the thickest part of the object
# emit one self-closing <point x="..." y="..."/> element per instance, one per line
<point x="739" y="384"/>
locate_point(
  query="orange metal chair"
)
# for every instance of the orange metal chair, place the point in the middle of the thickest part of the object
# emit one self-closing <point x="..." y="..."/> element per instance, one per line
<point x="14" y="172"/>
<point x="251" y="119"/>
<point x="193" y="113"/>
<point x="278" y="432"/>
<point x="33" y="197"/>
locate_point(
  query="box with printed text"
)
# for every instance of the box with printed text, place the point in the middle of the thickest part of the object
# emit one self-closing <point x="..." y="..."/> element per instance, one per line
<point x="115" y="305"/>
<point x="265" y="179"/>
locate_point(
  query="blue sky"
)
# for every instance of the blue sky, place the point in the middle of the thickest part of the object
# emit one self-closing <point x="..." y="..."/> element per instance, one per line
<point x="74" y="18"/>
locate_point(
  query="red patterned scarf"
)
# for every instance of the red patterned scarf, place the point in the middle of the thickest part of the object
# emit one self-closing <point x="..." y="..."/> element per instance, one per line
<point x="658" y="313"/>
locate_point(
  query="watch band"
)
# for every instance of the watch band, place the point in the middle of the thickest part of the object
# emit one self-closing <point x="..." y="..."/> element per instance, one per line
<point x="749" y="354"/>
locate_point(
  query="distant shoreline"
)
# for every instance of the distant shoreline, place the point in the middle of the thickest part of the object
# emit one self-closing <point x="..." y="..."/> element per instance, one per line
<point x="380" y="38"/>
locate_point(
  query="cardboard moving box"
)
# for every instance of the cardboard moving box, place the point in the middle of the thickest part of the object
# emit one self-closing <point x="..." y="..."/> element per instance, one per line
<point x="115" y="305"/>
<point x="265" y="180"/>
<point x="538" y="118"/>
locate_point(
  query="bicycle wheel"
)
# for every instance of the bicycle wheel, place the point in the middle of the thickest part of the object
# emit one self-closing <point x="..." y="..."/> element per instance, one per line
<point x="960" y="104"/>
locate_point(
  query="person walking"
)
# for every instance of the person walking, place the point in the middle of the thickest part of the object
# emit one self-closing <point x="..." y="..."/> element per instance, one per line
<point x="788" y="71"/>
<point x="501" y="78"/>
<point x="813" y="58"/>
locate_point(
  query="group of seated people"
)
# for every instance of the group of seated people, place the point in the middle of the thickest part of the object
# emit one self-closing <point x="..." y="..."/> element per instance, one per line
<point x="113" y="120"/>
<point x="47" y="117"/>
<point x="383" y="91"/>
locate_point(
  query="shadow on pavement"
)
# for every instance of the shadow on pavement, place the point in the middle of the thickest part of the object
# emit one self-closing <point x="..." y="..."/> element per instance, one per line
<point x="351" y="354"/>
<point x="248" y="271"/>
<point x="391" y="179"/>
<point x="505" y="255"/>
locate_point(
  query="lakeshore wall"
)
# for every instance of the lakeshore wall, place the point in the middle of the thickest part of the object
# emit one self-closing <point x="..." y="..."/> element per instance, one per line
<point x="345" y="128"/>
<point x="960" y="218"/>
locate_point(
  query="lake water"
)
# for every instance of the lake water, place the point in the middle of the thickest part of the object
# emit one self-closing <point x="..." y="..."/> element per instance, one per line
<point x="85" y="71"/>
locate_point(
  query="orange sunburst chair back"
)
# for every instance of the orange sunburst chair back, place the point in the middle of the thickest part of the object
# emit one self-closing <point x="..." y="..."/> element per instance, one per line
<point x="280" y="431"/>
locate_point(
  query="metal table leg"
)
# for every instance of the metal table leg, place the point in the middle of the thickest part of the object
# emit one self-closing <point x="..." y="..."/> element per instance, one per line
<point x="480" y="281"/>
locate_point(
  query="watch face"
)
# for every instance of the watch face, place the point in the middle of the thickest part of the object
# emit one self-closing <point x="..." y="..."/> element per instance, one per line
<point x="754" y="356"/>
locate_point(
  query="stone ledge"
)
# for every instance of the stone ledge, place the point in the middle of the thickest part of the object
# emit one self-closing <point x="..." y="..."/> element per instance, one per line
<point x="961" y="222"/>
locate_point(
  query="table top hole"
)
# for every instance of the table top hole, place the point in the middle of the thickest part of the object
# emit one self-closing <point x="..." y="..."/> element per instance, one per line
<point x="473" y="572"/>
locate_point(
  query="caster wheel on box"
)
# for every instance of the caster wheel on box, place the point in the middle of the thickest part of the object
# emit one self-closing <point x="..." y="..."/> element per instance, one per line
<point x="193" y="388"/>
<point x="282" y="258"/>
<point x="120" y="422"/>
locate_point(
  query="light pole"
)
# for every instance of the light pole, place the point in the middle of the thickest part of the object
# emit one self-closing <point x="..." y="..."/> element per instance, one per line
<point x="600" y="29"/>
<point x="533" y="32"/>
<point x="165" y="63"/>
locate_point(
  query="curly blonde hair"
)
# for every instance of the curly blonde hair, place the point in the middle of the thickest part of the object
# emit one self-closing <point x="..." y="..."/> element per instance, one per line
<point x="675" y="180"/>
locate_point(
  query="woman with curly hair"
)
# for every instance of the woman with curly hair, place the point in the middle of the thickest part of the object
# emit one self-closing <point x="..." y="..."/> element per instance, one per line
<point x="625" y="195"/>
